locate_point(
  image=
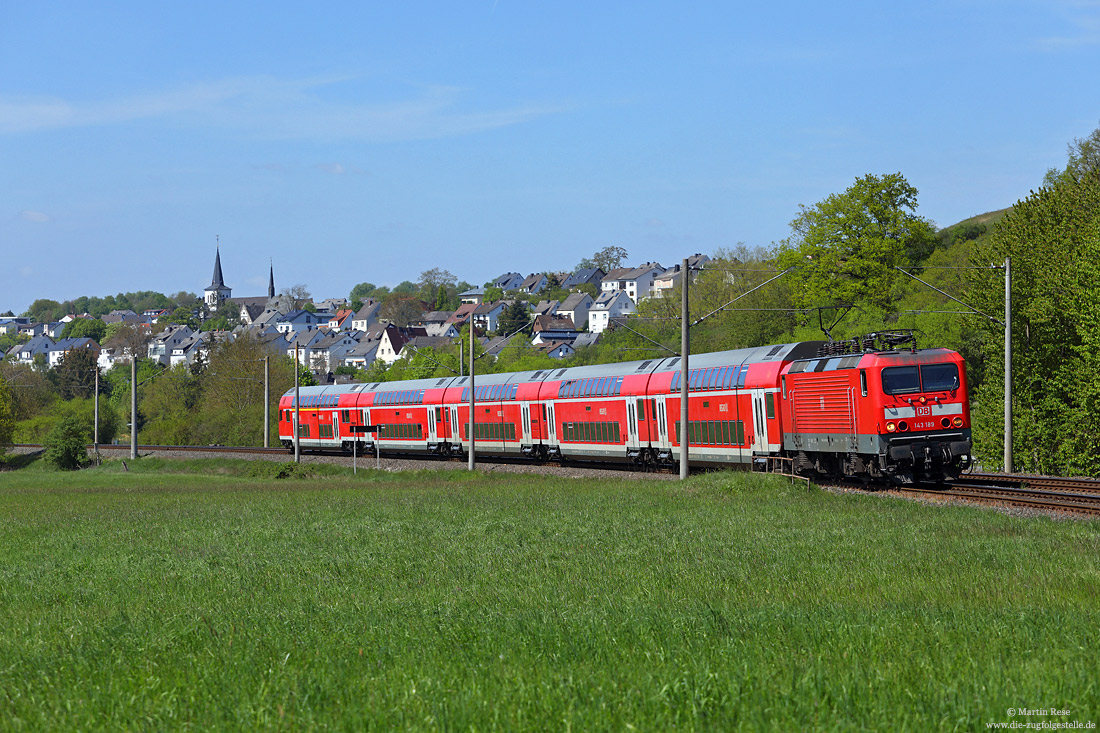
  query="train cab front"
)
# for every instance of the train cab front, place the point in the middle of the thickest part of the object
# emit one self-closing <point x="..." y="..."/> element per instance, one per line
<point x="924" y="416"/>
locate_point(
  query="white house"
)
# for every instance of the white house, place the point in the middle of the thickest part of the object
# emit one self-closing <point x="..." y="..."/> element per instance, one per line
<point x="362" y="355"/>
<point x="367" y="315"/>
<point x="508" y="281"/>
<point x="576" y="308"/>
<point x="57" y="351"/>
<point x="393" y="340"/>
<point x="161" y="345"/>
<point x="487" y="315"/>
<point x="608" y="306"/>
<point x="300" y="320"/>
<point x="533" y="283"/>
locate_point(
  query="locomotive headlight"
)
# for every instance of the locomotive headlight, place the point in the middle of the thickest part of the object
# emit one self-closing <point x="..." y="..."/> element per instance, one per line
<point x="903" y="426"/>
<point x="923" y="400"/>
<point x="891" y="427"/>
<point x="958" y="422"/>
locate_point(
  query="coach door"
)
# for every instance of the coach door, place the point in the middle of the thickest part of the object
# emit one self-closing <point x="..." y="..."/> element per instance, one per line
<point x="759" y="422"/>
<point x="632" y="423"/>
<point x="525" y="418"/>
<point x="433" y="424"/>
<point x="551" y="424"/>
<point x="456" y="436"/>
<point x="661" y="420"/>
<point x="336" y="426"/>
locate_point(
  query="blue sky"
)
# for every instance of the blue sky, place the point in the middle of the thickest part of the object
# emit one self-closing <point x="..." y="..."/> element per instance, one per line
<point x="370" y="141"/>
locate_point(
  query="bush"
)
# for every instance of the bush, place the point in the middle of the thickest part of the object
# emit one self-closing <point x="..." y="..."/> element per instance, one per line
<point x="81" y="410"/>
<point x="66" y="445"/>
<point x="272" y="470"/>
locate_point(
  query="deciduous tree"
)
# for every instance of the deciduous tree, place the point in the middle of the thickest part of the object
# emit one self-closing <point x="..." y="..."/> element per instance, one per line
<point x="74" y="374"/>
<point x="85" y="328"/>
<point x="846" y="247"/>
<point x="298" y="295"/>
<point x="401" y="310"/>
<point x="1053" y="238"/>
<point x="607" y="259"/>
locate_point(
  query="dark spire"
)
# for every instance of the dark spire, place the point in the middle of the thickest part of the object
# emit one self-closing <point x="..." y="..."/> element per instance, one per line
<point x="217" y="282"/>
<point x="271" y="282"/>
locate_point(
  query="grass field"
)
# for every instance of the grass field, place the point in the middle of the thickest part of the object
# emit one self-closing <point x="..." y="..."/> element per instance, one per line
<point x="201" y="595"/>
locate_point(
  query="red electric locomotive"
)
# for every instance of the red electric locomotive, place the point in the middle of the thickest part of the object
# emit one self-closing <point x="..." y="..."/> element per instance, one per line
<point x="863" y="408"/>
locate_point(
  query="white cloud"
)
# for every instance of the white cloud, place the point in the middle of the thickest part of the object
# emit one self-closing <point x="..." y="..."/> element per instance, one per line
<point x="36" y="216"/>
<point x="274" y="108"/>
<point x="339" y="169"/>
<point x="1088" y="30"/>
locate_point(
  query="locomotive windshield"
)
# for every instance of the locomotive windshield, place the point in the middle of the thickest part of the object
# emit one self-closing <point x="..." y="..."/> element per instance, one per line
<point x="939" y="377"/>
<point x="926" y="378"/>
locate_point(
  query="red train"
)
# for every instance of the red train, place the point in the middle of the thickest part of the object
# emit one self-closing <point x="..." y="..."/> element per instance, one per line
<point x="877" y="413"/>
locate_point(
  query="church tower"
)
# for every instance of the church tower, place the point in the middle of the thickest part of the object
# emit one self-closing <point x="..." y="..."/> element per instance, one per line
<point x="271" y="283"/>
<point x="217" y="292"/>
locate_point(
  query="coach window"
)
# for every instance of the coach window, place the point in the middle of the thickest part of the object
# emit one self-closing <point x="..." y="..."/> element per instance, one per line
<point x="769" y="405"/>
<point x="863" y="382"/>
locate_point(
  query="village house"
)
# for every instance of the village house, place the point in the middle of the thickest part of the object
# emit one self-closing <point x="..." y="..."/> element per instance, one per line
<point x="576" y="308"/>
<point x="609" y="305"/>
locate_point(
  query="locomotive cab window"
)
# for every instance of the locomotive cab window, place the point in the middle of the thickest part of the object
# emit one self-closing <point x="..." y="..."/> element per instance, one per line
<point x="939" y="377"/>
<point x="925" y="378"/>
<point x="900" y="380"/>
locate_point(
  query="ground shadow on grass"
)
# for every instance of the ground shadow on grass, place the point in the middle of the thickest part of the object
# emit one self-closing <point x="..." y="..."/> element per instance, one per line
<point x="16" y="461"/>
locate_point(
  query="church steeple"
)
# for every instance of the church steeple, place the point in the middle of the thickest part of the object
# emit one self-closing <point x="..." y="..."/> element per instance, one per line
<point x="271" y="282"/>
<point x="217" y="292"/>
<point x="217" y="281"/>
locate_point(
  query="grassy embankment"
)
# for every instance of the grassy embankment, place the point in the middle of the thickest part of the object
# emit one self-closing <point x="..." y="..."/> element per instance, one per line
<point x="218" y="599"/>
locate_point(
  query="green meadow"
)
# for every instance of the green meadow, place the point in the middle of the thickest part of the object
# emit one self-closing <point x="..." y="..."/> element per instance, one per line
<point x="215" y="595"/>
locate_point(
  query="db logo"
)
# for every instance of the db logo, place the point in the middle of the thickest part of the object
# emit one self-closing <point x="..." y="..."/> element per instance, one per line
<point x="924" y="412"/>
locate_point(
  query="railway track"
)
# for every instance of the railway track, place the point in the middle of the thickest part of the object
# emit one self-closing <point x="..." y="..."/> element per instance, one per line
<point x="368" y="456"/>
<point x="1076" y="496"/>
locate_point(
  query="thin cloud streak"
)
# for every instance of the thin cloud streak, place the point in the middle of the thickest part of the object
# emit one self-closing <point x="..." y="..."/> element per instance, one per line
<point x="1089" y="35"/>
<point x="271" y="108"/>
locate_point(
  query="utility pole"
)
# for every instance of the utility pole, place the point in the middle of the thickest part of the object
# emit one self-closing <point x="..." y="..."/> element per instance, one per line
<point x="95" y="430"/>
<point x="133" y="407"/>
<point x="472" y="401"/>
<point x="297" y="411"/>
<point x="267" y="402"/>
<point x="685" y="349"/>
<point x="1008" y="365"/>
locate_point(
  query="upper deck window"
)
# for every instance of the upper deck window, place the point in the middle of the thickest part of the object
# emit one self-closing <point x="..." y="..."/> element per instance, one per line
<point x="925" y="378"/>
